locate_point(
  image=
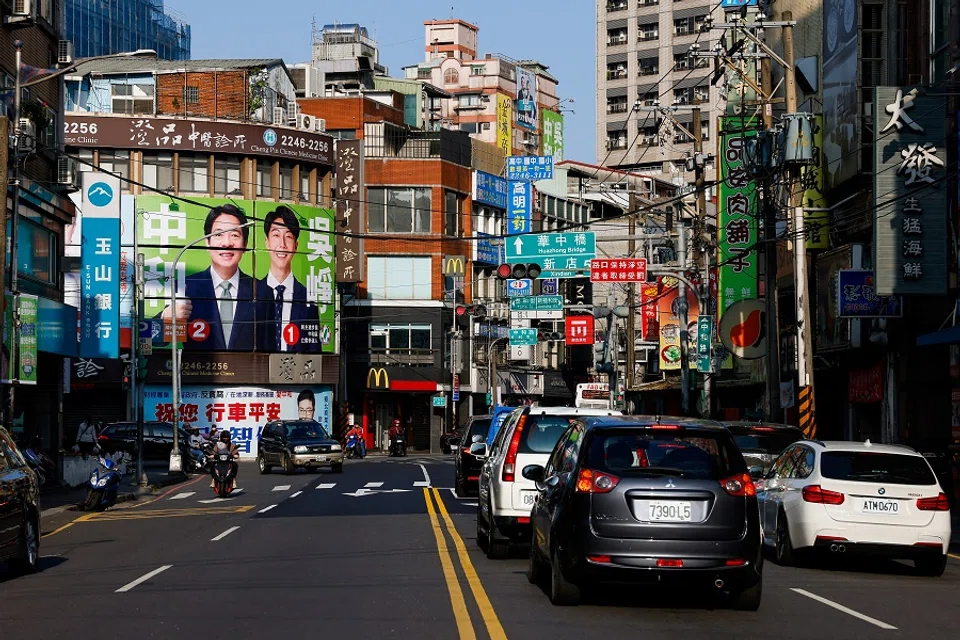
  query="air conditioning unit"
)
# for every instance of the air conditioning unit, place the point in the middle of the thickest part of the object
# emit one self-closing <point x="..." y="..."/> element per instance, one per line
<point x="305" y="122"/>
<point x="23" y="8"/>
<point x="66" y="171"/>
<point x="28" y="135"/>
<point x="320" y="125"/>
<point x="279" y="116"/>
<point x="65" y="52"/>
<point x="293" y="110"/>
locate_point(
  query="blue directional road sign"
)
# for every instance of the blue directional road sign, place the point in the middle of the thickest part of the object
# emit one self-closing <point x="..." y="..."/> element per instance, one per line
<point x="530" y="168"/>
<point x="523" y="337"/>
<point x="560" y="255"/>
<point x="519" y="288"/>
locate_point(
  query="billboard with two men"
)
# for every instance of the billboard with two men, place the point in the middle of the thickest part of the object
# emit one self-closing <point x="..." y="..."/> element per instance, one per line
<point x="264" y="281"/>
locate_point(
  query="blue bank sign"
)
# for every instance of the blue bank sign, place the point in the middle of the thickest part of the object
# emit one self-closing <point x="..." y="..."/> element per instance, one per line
<point x="489" y="189"/>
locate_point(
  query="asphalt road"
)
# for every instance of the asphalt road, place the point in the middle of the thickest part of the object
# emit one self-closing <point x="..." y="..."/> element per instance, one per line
<point x="386" y="550"/>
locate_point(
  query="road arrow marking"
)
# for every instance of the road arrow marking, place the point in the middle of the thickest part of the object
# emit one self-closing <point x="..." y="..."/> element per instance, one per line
<point x="359" y="492"/>
<point x="369" y="492"/>
<point x="372" y="485"/>
<point x="282" y="487"/>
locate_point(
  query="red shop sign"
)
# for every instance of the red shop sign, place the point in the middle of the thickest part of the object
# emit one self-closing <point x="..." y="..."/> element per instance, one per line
<point x="866" y="385"/>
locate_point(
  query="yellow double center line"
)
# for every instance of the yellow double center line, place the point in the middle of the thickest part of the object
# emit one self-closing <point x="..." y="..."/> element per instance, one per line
<point x="460" y="613"/>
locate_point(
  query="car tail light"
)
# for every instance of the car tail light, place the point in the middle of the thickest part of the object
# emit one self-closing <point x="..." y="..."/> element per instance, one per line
<point x="590" y="481"/>
<point x="642" y="459"/>
<point x="668" y="562"/>
<point x="932" y="545"/>
<point x="832" y="539"/>
<point x="735" y="562"/>
<point x="510" y="464"/>
<point x="466" y="449"/>
<point x="816" y="493"/>
<point x="523" y="520"/>
<point x="763" y="429"/>
<point x="599" y="559"/>
<point x="103" y="437"/>
<point x="739" y="485"/>
<point x="940" y="503"/>
<point x="664" y="427"/>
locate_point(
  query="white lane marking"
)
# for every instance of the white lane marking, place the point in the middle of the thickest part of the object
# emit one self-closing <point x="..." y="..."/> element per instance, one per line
<point x="327" y="485"/>
<point x="426" y="476"/>
<point x="265" y="509"/>
<point x="182" y="496"/>
<point x="142" y="579"/>
<point x="372" y="485"/>
<point x="294" y="495"/>
<point x="282" y="487"/>
<point x="224" y="534"/>
<point x="421" y="483"/>
<point x="840" y="607"/>
<point x="214" y="500"/>
<point x="470" y="504"/>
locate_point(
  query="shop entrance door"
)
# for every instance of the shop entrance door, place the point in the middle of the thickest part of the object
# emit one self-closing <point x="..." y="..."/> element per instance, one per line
<point x="381" y="423"/>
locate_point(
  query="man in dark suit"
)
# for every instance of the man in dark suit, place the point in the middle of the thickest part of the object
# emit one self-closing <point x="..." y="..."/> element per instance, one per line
<point x="290" y="305"/>
<point x="221" y="295"/>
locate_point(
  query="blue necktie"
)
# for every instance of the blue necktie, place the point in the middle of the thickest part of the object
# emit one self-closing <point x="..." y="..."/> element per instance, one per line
<point x="278" y="314"/>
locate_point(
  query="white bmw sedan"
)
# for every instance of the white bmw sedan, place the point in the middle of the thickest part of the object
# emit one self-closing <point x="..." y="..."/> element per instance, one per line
<point x="853" y="497"/>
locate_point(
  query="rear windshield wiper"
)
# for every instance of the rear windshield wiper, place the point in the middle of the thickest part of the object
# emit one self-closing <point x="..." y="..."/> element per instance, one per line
<point x="655" y="471"/>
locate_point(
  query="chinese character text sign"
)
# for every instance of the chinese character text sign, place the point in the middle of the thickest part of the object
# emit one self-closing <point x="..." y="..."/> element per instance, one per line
<point x="737" y="219"/>
<point x="910" y="229"/>
<point x="530" y="168"/>
<point x="618" y="270"/>
<point x="579" y="330"/>
<point x="518" y="208"/>
<point x="349" y="210"/>
<point x="100" y="267"/>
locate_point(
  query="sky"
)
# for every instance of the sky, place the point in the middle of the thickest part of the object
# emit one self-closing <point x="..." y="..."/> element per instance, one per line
<point x="560" y="35"/>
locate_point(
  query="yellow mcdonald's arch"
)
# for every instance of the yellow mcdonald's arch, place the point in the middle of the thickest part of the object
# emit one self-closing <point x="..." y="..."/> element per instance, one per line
<point x="378" y="378"/>
<point x="454" y="266"/>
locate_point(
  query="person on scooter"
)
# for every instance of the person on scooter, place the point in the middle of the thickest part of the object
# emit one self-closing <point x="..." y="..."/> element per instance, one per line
<point x="226" y="446"/>
<point x="357" y="430"/>
<point x="396" y="431"/>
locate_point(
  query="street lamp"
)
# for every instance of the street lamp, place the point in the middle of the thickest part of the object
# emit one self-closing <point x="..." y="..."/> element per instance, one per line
<point x="14" y="223"/>
<point x="175" y="462"/>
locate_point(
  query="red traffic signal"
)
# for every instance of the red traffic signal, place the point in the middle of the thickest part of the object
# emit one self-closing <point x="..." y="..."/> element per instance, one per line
<point x="519" y="271"/>
<point x="461" y="310"/>
<point x="504" y="271"/>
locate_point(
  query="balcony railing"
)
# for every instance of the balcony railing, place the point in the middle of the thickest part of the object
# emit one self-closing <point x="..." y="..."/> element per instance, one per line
<point x="617" y="74"/>
<point x="616" y="6"/>
<point x="615" y="40"/>
<point x="407" y="357"/>
<point x="619" y="107"/>
<point x="620" y="143"/>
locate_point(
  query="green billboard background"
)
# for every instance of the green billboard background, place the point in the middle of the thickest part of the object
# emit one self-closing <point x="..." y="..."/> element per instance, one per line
<point x="165" y="226"/>
<point x="553" y="135"/>
<point x="737" y="211"/>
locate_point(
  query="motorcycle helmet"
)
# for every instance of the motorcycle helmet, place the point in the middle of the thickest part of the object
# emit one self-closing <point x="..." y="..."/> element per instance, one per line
<point x="225" y="435"/>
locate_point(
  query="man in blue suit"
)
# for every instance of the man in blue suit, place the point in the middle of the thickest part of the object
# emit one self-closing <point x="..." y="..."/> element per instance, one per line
<point x="222" y="296"/>
<point x="287" y="302"/>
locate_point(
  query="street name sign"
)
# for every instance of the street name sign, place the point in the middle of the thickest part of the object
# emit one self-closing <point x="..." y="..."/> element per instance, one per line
<point x="560" y="255"/>
<point x="523" y="337"/>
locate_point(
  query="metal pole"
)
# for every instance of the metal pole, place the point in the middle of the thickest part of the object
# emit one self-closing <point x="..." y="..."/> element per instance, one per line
<point x="704" y="297"/>
<point x="14" y="239"/>
<point x="682" y="307"/>
<point x="492" y="372"/>
<point x="138" y="313"/>
<point x="631" y="297"/>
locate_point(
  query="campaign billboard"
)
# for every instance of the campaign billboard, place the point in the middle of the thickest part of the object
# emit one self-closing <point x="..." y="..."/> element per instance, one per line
<point x="243" y="410"/>
<point x="265" y="282"/>
<point x="526" y="99"/>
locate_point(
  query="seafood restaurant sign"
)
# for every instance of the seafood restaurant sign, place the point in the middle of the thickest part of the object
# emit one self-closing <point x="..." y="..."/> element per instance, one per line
<point x="215" y="136"/>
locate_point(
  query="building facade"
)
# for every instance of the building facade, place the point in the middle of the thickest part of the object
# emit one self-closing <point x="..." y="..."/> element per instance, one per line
<point x="99" y="28"/>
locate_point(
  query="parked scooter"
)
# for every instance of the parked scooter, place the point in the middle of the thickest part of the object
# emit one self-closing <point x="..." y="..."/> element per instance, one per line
<point x="222" y="470"/>
<point x="104" y="485"/>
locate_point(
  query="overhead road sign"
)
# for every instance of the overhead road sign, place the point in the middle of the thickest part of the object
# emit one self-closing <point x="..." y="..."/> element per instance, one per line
<point x="561" y="255"/>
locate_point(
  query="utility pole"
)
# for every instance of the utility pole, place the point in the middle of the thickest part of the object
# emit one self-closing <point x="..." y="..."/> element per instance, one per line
<point x="705" y="309"/>
<point x="682" y="308"/>
<point x="631" y="296"/>
<point x="138" y="312"/>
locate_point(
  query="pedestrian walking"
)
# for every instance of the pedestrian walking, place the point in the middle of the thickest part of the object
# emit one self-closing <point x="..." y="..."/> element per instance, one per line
<point x="87" y="436"/>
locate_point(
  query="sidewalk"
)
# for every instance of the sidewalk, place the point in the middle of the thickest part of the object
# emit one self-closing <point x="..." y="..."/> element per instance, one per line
<point x="54" y="500"/>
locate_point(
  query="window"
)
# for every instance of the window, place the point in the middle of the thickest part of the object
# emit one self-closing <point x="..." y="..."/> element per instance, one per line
<point x="649" y="3"/>
<point x="616" y="70"/>
<point x="540" y="434"/>
<point x="264" y="179"/>
<point x="132" y="99"/>
<point x="647" y="32"/>
<point x="701" y="455"/>
<point x="453" y="203"/>
<point x="399" y="210"/>
<point x="884" y="468"/>
<point x="470" y="100"/>
<point x="226" y="175"/>
<point x="616" y="140"/>
<point x="648" y="66"/>
<point x="36" y="252"/>
<point x="477" y="71"/>
<point x="683" y="26"/>
<point x="158" y="170"/>
<point x="399" y="278"/>
<point x="649" y="136"/>
<point x="194" y="173"/>
<point x="305" y="184"/>
<point x="114" y="162"/>
<point x="686" y="61"/>
<point x="400" y="337"/>
<point x="286" y="181"/>
<point x="617" y="5"/>
<point x="451" y="76"/>
<point x="191" y="95"/>
<point x="469" y="127"/>
<point x="616" y="36"/>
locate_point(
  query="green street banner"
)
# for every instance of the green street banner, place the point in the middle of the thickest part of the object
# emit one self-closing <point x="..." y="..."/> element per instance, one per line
<point x="265" y="281"/>
<point x="24" y="369"/>
<point x="737" y="218"/>
<point x="553" y="135"/>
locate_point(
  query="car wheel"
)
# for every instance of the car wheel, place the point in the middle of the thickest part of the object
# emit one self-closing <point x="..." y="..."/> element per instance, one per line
<point x="288" y="467"/>
<point x="784" y="547"/>
<point x="747" y="599"/>
<point x="29" y="559"/>
<point x="563" y="593"/>
<point x="337" y="468"/>
<point x="481" y="535"/>
<point x="262" y="463"/>
<point x="498" y="548"/>
<point x="535" y="572"/>
<point x="931" y="566"/>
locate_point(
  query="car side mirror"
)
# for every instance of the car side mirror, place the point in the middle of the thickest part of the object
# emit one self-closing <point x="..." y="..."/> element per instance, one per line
<point x="479" y="449"/>
<point x="756" y="472"/>
<point x="533" y="472"/>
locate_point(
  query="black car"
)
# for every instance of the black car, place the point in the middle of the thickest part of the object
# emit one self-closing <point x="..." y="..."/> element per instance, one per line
<point x="19" y="509"/>
<point x="157" y="440"/>
<point x="468" y="465"/>
<point x="761" y="443"/>
<point x="450" y="440"/>
<point x="637" y="498"/>
<point x="298" y="443"/>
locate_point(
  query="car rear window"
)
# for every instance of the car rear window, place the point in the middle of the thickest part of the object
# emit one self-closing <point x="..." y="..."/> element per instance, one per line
<point x="119" y="430"/>
<point x="540" y="433"/>
<point x="887" y="468"/>
<point x="752" y="439"/>
<point x="703" y="455"/>
<point x="478" y="428"/>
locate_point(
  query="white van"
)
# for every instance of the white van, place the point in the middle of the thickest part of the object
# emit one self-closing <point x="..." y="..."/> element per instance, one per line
<point x="528" y="436"/>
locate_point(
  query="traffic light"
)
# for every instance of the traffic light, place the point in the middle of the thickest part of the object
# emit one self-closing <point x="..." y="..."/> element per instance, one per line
<point x="463" y="313"/>
<point x="549" y="332"/>
<point x="601" y="354"/>
<point x="519" y="271"/>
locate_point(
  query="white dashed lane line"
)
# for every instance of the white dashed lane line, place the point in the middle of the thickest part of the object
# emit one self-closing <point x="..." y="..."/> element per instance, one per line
<point x="846" y="610"/>
<point x="265" y="509"/>
<point x="294" y="495"/>
<point x="327" y="485"/>
<point x="372" y="485"/>
<point x="282" y="487"/>
<point x="184" y="495"/>
<point x="224" y="534"/>
<point x="142" y="579"/>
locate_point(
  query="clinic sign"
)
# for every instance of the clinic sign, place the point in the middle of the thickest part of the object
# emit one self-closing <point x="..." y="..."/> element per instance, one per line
<point x="489" y="189"/>
<point x="100" y="266"/>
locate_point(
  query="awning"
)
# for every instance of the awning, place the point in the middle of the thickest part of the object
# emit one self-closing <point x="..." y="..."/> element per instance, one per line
<point x="943" y="336"/>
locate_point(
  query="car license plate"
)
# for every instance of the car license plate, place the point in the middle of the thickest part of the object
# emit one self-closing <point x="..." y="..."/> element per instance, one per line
<point x="883" y="507"/>
<point x="670" y="511"/>
<point x="320" y="459"/>
<point x="527" y="498"/>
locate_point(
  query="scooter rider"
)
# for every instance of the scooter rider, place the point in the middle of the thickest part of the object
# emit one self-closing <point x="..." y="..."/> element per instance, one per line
<point x="357" y="430"/>
<point x="226" y="446"/>
<point x="396" y="431"/>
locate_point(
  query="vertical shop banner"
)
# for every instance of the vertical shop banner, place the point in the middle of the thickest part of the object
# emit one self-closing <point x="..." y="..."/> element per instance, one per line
<point x="553" y="135"/>
<point x="816" y="223"/>
<point x="738" y="212"/>
<point x="350" y="196"/>
<point x="27" y="346"/>
<point x="650" y="321"/>
<point x="526" y="99"/>
<point x="505" y="124"/>
<point x="243" y="410"/>
<point x="910" y="228"/>
<point x="227" y="285"/>
<point x="669" y="307"/>
<point x="100" y="266"/>
<point x="841" y="82"/>
<point x="519" y="219"/>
